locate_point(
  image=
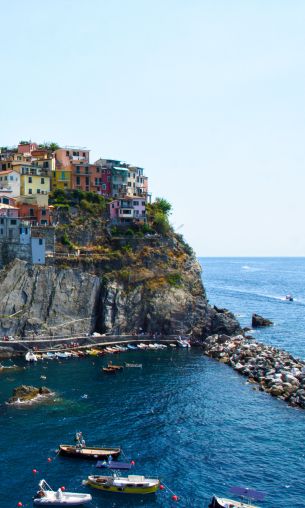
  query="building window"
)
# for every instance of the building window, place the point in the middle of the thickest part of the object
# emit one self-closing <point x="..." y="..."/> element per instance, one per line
<point x="42" y="180"/>
<point x="87" y="180"/>
<point x="30" y="191"/>
<point x="43" y="211"/>
<point x="31" y="212"/>
<point x="13" y="222"/>
<point x="78" y="180"/>
<point x="87" y="171"/>
<point x="1" y="221"/>
<point x="84" y="155"/>
<point x="78" y="169"/>
<point x="38" y="191"/>
<point x="67" y="153"/>
<point x="30" y="179"/>
<point x="104" y="186"/>
<point x="1" y="231"/>
<point x="40" y="241"/>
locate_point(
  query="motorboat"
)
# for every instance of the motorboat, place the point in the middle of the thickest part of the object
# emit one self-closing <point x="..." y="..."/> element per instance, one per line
<point x="30" y="357"/>
<point x="132" y="346"/>
<point x="246" y="494"/>
<point x="115" y="367"/>
<point x="136" y="365"/>
<point x="173" y="345"/>
<point x="63" y="355"/>
<point x="48" y="497"/>
<point x="289" y="298"/>
<point x="183" y="342"/>
<point x="142" y="346"/>
<point x="132" y="484"/>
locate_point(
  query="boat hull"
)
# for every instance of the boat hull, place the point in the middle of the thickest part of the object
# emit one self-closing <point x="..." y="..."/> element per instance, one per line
<point x="68" y="499"/>
<point x="124" y="490"/>
<point x="220" y="502"/>
<point x="88" y="453"/>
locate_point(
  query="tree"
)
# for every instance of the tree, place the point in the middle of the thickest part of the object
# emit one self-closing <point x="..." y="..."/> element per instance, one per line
<point x="163" y="205"/>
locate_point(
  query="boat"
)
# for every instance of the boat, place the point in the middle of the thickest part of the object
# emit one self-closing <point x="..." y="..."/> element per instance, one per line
<point x="30" y="357"/>
<point x="63" y="355"/>
<point x="109" y="370"/>
<point x="136" y="365"/>
<point x="132" y="484"/>
<point x="173" y="345"/>
<point x="48" y="497"/>
<point x="132" y="346"/>
<point x="115" y="367"/>
<point x="111" y="464"/>
<point x="248" y="494"/>
<point x="152" y="346"/>
<point x="183" y="342"/>
<point x="90" y="452"/>
<point x="142" y="346"/>
<point x="289" y="298"/>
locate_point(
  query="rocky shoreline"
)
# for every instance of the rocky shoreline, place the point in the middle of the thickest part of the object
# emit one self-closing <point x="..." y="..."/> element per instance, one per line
<point x="28" y="394"/>
<point x="275" y="371"/>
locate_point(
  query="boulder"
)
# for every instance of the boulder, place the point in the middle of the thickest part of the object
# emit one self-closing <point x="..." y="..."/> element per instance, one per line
<point x="258" y="321"/>
<point x="26" y="393"/>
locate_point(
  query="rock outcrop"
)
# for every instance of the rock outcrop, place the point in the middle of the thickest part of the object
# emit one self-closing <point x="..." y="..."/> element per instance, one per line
<point x="25" y="393"/>
<point x="260" y="321"/>
<point x="276" y="372"/>
<point x="161" y="295"/>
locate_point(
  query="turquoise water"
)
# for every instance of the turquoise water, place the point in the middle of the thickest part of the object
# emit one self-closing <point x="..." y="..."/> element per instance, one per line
<point x="186" y="418"/>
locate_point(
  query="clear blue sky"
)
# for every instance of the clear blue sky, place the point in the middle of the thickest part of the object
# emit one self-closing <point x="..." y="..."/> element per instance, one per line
<point x="208" y="96"/>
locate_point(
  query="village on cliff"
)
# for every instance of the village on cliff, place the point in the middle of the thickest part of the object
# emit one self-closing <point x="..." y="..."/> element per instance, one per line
<point x="29" y="172"/>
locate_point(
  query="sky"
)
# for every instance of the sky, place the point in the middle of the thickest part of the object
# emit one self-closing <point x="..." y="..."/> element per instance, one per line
<point x="206" y="95"/>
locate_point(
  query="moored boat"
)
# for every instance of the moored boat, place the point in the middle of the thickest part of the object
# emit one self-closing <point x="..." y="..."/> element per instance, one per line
<point x="109" y="370"/>
<point x="30" y="357"/>
<point x="245" y="493"/>
<point x="136" y="365"/>
<point x="90" y="453"/>
<point x="132" y="346"/>
<point x="48" y="497"/>
<point x="132" y="484"/>
<point x="115" y="367"/>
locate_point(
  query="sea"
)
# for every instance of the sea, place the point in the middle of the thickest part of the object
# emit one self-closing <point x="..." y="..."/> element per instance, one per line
<point x="183" y="417"/>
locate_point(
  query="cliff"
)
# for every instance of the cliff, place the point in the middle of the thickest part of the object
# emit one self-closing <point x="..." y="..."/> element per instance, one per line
<point x="118" y="281"/>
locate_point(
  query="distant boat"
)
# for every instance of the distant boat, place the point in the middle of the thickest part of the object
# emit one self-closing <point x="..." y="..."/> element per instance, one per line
<point x="136" y="365"/>
<point x="30" y="357"/>
<point x="109" y="370"/>
<point x="115" y="367"/>
<point x="132" y="484"/>
<point x="131" y="346"/>
<point x="289" y="298"/>
<point x="48" y="497"/>
<point x="248" y="494"/>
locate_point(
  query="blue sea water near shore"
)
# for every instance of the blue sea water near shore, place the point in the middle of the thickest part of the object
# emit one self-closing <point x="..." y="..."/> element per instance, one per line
<point x="192" y="421"/>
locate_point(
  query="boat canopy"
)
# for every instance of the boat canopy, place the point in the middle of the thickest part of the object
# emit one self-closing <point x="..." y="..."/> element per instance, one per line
<point x="250" y="493"/>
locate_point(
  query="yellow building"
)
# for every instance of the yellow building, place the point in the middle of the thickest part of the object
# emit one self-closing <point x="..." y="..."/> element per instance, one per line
<point x="62" y="178"/>
<point x="33" y="179"/>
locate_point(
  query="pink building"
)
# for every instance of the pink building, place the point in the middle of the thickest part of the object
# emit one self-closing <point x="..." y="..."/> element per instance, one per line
<point x="127" y="210"/>
<point x="26" y="148"/>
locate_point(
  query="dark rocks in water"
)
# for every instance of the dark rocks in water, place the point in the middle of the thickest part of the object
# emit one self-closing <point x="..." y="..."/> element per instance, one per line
<point x="26" y="393"/>
<point x="223" y="322"/>
<point x="258" y="321"/>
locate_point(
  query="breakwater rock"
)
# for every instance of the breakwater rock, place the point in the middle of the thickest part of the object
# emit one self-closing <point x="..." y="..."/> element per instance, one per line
<point x="258" y="321"/>
<point x="276" y="371"/>
<point x="27" y="394"/>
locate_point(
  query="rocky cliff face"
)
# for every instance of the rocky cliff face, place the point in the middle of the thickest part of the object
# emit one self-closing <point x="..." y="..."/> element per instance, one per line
<point x="162" y="293"/>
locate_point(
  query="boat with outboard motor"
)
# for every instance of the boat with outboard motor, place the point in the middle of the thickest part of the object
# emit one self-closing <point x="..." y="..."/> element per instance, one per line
<point x="183" y="342"/>
<point x="48" y="497"/>
<point x="289" y="298"/>
<point x="248" y="494"/>
<point x="132" y="484"/>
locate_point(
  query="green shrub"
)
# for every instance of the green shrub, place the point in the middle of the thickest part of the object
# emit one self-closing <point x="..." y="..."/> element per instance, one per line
<point x="174" y="279"/>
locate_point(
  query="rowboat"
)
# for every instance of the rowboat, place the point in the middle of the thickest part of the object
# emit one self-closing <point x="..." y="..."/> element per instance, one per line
<point x="109" y="370"/>
<point x="132" y="484"/>
<point x="244" y="493"/>
<point x="90" y="453"/>
<point x="115" y="367"/>
<point x="48" y="497"/>
<point x="136" y="365"/>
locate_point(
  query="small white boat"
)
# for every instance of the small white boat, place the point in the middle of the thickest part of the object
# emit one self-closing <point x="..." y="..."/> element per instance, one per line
<point x="48" y="497"/>
<point x="153" y="347"/>
<point x="173" y="345"/>
<point x="142" y="346"/>
<point x="63" y="355"/>
<point x="183" y="343"/>
<point x="289" y="298"/>
<point x="30" y="357"/>
<point x="246" y="494"/>
<point x="135" y="365"/>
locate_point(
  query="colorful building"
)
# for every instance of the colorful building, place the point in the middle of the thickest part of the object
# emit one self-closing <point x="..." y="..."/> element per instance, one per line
<point x="126" y="210"/>
<point x="10" y="183"/>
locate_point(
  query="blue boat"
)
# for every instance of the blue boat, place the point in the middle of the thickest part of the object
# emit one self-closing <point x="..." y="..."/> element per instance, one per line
<point x="132" y="346"/>
<point x="248" y="494"/>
